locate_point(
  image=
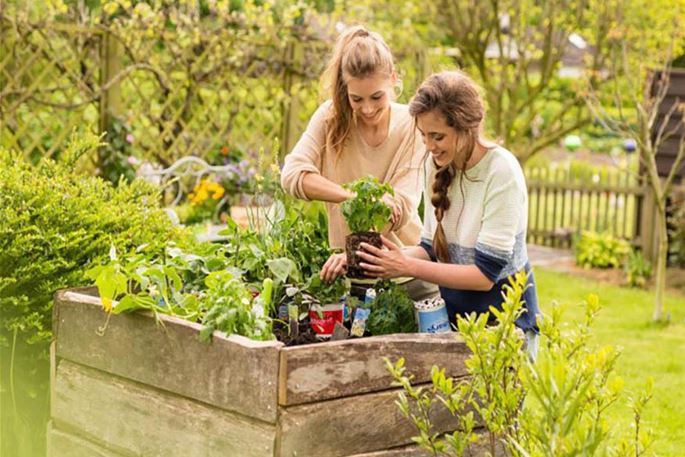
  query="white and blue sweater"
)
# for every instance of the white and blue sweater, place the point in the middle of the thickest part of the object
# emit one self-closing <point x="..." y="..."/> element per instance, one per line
<point x="487" y="228"/>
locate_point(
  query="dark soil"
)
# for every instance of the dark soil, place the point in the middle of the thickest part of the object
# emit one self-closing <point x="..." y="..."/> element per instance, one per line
<point x="352" y="243"/>
<point x="306" y="334"/>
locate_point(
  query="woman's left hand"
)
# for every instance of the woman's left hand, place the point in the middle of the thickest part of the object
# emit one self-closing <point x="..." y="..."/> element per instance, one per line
<point x="380" y="263"/>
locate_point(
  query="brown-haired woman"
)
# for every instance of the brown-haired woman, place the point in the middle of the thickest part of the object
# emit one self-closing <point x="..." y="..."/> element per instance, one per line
<point x="474" y="234"/>
<point x="360" y="131"/>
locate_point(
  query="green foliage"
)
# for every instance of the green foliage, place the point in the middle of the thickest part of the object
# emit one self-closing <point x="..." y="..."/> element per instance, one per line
<point x="231" y="309"/>
<point x="188" y="282"/>
<point x="274" y="251"/>
<point x="567" y="391"/>
<point x="392" y="311"/>
<point x="182" y="77"/>
<point x="54" y="224"/>
<point x="327" y="292"/>
<point x="366" y="211"/>
<point x="197" y="284"/>
<point x="600" y="250"/>
<point x="638" y="269"/>
<point x="168" y="280"/>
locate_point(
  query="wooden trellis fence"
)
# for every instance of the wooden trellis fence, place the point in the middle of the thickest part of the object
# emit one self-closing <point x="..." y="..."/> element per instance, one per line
<point x="157" y="98"/>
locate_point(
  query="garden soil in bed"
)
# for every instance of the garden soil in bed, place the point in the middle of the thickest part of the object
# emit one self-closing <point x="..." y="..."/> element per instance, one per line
<point x="306" y="334"/>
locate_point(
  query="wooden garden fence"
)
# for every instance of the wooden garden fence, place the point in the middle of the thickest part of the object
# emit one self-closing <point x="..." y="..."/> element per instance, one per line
<point x="563" y="202"/>
<point x="159" y="98"/>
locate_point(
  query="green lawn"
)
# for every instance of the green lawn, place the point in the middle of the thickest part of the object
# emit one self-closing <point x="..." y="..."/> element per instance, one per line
<point x="647" y="349"/>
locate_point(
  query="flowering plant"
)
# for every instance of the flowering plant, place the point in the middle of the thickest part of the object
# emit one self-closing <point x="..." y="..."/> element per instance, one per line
<point x="205" y="199"/>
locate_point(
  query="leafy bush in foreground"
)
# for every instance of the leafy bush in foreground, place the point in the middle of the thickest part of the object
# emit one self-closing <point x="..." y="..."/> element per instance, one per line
<point x="555" y="406"/>
<point x="55" y="223"/>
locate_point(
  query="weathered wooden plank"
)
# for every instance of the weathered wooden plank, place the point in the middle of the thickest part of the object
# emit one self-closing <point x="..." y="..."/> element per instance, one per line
<point x="478" y="449"/>
<point x="62" y="444"/>
<point x="143" y="421"/>
<point x="404" y="451"/>
<point x="350" y="425"/>
<point x="234" y="373"/>
<point x="351" y="367"/>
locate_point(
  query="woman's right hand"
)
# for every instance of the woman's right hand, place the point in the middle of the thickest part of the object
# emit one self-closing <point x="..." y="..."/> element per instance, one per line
<point x="395" y="208"/>
<point x="335" y="266"/>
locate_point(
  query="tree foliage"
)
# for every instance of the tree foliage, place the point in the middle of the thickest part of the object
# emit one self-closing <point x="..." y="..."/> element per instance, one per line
<point x="643" y="43"/>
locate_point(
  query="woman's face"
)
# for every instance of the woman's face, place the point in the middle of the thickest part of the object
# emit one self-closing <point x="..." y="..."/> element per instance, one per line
<point x="370" y="97"/>
<point x="440" y="139"/>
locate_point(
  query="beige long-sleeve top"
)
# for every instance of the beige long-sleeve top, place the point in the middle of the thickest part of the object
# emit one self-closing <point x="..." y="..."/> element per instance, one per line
<point x="398" y="161"/>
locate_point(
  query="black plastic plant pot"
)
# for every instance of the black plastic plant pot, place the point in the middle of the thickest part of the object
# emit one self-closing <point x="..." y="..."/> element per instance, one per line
<point x="352" y="243"/>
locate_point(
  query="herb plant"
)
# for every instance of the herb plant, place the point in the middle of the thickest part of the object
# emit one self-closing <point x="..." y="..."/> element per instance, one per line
<point x="231" y="309"/>
<point x="366" y="211"/>
<point x="326" y="293"/>
<point x="392" y="311"/>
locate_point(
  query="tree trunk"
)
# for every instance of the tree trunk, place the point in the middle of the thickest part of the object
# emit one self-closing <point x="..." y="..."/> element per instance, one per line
<point x="660" y="312"/>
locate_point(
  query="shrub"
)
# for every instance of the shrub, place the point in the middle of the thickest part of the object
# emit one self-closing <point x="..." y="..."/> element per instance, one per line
<point x="600" y="250"/>
<point x="553" y="407"/>
<point x="638" y="269"/>
<point x="55" y="223"/>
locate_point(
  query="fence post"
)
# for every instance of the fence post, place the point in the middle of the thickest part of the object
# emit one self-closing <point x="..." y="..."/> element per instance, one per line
<point x="111" y="54"/>
<point x="291" y="106"/>
<point x="647" y="219"/>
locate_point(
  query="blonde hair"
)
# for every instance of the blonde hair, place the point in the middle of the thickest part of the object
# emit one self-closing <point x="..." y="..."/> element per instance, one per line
<point x="358" y="53"/>
<point x="456" y="97"/>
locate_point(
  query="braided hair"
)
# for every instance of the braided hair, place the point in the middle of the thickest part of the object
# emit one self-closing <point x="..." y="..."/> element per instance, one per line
<point x="455" y="97"/>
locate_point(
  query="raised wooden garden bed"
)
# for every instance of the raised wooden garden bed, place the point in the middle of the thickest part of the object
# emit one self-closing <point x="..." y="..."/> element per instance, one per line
<point x="143" y="389"/>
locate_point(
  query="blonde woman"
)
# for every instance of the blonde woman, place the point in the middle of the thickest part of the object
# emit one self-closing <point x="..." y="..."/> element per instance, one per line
<point x="360" y="131"/>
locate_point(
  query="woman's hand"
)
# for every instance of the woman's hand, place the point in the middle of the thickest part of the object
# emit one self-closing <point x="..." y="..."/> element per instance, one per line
<point x="335" y="266"/>
<point x="380" y="263"/>
<point x="395" y="208"/>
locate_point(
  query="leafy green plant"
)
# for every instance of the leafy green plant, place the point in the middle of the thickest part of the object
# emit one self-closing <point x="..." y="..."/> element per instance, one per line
<point x="231" y="308"/>
<point x="275" y="252"/>
<point x="366" y="211"/>
<point x="555" y="406"/>
<point x="392" y="311"/>
<point x="198" y="285"/>
<point x="327" y="292"/>
<point x="600" y="250"/>
<point x="170" y="281"/>
<point x="638" y="269"/>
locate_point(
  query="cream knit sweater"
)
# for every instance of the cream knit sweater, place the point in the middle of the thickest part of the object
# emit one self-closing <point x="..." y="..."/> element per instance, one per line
<point x="398" y="161"/>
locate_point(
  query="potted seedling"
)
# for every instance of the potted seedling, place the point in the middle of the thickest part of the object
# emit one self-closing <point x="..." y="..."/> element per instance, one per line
<point x="366" y="215"/>
<point x="328" y="310"/>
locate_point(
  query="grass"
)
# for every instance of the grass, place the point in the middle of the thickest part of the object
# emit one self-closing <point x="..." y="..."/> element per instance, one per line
<point x="647" y="349"/>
